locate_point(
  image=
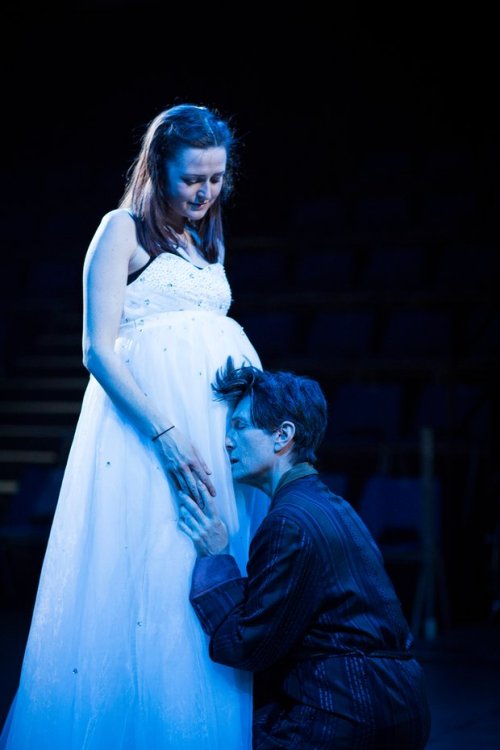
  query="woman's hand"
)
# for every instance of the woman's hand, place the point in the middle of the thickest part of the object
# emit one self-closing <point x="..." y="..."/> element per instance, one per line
<point x="185" y="465"/>
<point x="202" y="524"/>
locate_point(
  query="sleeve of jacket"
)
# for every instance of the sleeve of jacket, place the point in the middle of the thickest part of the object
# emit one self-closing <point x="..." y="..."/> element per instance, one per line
<point x="254" y="621"/>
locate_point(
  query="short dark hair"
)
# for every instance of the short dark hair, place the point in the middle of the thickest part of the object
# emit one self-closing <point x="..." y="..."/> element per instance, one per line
<point x="277" y="397"/>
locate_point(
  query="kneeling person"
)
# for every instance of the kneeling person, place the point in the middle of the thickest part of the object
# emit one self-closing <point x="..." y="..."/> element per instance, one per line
<point x="316" y="617"/>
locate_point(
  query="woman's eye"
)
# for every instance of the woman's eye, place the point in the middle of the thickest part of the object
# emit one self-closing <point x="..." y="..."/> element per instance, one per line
<point x="194" y="181"/>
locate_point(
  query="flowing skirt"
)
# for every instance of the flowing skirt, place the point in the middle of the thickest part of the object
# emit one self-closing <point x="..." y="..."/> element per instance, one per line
<point x="115" y="656"/>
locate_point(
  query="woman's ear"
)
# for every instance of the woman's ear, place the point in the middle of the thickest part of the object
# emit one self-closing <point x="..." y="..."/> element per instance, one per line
<point x="284" y="436"/>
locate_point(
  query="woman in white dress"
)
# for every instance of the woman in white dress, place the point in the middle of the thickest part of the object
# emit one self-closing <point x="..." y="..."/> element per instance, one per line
<point x="115" y="656"/>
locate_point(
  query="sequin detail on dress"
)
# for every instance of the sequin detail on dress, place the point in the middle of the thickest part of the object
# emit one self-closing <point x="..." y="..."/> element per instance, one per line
<point x="172" y="283"/>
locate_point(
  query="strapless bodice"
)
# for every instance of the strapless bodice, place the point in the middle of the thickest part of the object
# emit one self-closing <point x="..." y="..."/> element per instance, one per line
<point x="171" y="283"/>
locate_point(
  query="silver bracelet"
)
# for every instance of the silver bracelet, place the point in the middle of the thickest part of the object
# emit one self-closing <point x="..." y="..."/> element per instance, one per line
<point x="155" y="437"/>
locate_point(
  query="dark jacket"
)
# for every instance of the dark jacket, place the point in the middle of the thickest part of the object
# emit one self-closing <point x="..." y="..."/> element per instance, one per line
<point x="317" y="619"/>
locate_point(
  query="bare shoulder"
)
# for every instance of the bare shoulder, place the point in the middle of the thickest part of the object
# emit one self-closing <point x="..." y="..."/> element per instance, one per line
<point x="115" y="235"/>
<point x="118" y="221"/>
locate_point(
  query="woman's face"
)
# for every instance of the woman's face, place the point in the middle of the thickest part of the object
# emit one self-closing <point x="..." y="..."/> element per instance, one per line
<point x="194" y="181"/>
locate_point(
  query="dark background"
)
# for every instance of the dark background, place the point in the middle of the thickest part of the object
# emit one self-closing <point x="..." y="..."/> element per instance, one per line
<point x="311" y="94"/>
<point x="360" y="127"/>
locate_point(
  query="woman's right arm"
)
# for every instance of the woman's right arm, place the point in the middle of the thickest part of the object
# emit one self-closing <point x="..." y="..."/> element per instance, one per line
<point x="104" y="281"/>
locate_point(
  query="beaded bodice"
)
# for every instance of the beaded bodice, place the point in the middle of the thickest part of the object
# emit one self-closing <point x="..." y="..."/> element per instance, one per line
<point x="171" y="283"/>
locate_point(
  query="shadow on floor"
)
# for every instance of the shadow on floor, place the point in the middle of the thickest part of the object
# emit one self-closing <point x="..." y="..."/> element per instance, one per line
<point x="463" y="678"/>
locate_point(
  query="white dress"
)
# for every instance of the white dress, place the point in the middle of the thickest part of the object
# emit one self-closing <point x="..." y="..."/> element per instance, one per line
<point x="116" y="658"/>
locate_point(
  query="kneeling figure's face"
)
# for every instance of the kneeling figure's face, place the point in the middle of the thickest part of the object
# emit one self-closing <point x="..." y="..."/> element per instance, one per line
<point x="251" y="449"/>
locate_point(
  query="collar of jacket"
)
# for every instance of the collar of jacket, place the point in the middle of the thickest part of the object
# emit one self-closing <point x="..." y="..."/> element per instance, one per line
<point x="298" y="471"/>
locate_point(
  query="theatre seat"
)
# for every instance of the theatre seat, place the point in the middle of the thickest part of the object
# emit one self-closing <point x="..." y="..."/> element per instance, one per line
<point x="404" y="515"/>
<point x="366" y="412"/>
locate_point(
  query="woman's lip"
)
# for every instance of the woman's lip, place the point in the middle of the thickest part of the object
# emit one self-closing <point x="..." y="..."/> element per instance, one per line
<point x="199" y="205"/>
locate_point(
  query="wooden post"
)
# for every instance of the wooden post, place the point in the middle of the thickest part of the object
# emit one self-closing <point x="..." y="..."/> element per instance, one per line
<point x="431" y="585"/>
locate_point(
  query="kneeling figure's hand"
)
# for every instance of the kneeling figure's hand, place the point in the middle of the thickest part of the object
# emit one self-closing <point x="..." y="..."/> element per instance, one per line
<point x="202" y="523"/>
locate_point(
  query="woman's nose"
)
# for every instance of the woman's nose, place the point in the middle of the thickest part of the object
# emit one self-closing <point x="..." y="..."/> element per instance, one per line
<point x="204" y="191"/>
<point x="229" y="442"/>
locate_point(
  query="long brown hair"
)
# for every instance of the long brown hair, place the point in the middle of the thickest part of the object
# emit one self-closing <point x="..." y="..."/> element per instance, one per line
<point x="179" y="127"/>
